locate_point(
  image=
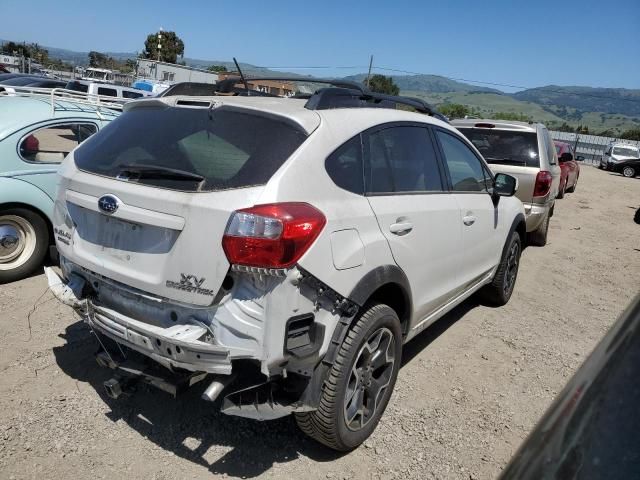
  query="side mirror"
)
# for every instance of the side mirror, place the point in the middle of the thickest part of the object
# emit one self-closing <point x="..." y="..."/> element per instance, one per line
<point x="579" y="158"/>
<point x="566" y="157"/>
<point x="504" y="185"/>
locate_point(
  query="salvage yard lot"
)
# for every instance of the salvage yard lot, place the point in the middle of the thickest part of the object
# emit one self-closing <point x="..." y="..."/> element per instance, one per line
<point x="471" y="388"/>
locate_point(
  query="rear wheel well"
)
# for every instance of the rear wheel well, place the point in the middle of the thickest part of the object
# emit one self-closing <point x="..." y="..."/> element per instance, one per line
<point x="8" y="206"/>
<point x="395" y="297"/>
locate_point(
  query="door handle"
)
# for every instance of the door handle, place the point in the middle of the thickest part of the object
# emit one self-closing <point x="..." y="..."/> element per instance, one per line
<point x="468" y="220"/>
<point x="401" y="228"/>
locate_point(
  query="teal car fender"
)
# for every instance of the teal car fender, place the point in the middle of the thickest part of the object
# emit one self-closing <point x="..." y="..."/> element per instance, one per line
<point x="18" y="190"/>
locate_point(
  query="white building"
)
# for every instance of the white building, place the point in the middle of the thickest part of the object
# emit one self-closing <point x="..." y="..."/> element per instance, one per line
<point x="172" y="73"/>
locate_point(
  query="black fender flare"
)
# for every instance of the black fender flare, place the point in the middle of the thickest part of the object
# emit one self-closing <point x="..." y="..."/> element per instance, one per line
<point x="368" y="284"/>
<point x="519" y="220"/>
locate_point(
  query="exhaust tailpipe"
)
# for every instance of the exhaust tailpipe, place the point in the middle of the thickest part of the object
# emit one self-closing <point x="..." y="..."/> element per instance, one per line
<point x="216" y="387"/>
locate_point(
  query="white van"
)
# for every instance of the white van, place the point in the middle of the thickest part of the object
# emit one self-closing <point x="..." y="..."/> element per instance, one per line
<point x="106" y="89"/>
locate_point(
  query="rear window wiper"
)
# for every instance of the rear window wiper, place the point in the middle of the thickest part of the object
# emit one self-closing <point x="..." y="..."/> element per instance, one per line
<point x="155" y="171"/>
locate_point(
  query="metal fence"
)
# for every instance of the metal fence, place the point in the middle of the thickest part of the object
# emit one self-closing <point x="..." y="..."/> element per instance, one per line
<point x="591" y="147"/>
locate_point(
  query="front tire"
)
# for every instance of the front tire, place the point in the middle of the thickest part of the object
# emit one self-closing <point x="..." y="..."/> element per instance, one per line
<point x="499" y="291"/>
<point x="24" y="240"/>
<point x="629" y="172"/>
<point x="573" y="187"/>
<point x="358" y="386"/>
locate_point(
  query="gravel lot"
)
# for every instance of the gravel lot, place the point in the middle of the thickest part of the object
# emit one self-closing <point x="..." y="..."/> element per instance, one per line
<point x="470" y="390"/>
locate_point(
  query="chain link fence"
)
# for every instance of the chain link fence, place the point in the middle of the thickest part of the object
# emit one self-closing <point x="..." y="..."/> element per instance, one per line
<point x="591" y="147"/>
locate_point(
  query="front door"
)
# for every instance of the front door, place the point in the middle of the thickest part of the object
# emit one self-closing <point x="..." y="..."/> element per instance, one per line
<point x="479" y="217"/>
<point x="416" y="214"/>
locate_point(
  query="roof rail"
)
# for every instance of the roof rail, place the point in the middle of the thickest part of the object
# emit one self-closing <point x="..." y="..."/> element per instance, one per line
<point x="229" y="85"/>
<point x="100" y="103"/>
<point x="328" y="98"/>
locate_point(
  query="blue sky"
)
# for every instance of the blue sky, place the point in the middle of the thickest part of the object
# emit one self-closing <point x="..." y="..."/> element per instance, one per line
<point x="530" y="43"/>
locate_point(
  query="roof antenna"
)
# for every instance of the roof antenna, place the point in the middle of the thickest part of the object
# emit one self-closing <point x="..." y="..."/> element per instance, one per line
<point x="244" y="80"/>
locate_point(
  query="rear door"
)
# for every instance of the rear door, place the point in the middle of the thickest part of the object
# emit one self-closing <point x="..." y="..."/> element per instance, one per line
<point x="415" y="212"/>
<point x="479" y="217"/>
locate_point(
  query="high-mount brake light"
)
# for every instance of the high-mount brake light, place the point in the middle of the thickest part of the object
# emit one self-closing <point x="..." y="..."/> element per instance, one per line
<point x="543" y="183"/>
<point x="484" y="125"/>
<point x="272" y="236"/>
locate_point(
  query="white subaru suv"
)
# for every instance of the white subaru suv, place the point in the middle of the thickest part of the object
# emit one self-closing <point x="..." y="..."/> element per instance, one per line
<point x="282" y="250"/>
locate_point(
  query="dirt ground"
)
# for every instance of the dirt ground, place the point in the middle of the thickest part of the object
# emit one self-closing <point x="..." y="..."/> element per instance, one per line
<point x="470" y="390"/>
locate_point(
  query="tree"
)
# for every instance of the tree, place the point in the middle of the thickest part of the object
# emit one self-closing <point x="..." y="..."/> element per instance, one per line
<point x="631" y="134"/>
<point x="511" y="116"/>
<point x="454" y="110"/>
<point x="217" y="68"/>
<point x="382" y="84"/>
<point x="171" y="47"/>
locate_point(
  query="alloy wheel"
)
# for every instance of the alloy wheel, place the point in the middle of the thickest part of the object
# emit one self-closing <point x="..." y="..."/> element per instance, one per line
<point x="513" y="258"/>
<point x="369" y="378"/>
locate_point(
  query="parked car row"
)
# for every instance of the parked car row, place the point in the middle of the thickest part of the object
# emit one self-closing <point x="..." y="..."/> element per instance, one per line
<point x="282" y="249"/>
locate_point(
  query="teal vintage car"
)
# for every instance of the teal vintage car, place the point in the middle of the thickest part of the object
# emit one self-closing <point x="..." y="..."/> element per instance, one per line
<point x="37" y="131"/>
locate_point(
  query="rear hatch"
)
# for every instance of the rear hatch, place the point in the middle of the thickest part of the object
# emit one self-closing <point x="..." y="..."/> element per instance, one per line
<point x="149" y="197"/>
<point x="514" y="152"/>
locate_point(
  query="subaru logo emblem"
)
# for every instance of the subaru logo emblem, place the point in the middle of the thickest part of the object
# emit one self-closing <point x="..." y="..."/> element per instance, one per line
<point x="108" y="204"/>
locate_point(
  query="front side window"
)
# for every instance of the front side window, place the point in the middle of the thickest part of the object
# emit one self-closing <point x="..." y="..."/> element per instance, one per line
<point x="401" y="159"/>
<point x="344" y="166"/>
<point x="465" y="169"/>
<point x="51" y="144"/>
<point x="191" y="149"/>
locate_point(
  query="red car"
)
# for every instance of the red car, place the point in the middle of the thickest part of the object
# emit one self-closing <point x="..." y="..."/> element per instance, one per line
<point x="569" y="166"/>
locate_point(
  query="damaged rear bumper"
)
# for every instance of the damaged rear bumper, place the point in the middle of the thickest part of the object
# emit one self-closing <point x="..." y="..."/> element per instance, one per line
<point x="175" y="347"/>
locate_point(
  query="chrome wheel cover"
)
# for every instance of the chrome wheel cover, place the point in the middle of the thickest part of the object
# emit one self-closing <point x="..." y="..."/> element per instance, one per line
<point x="17" y="241"/>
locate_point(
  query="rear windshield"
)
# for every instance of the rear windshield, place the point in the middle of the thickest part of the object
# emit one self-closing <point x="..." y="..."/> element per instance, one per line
<point x="505" y="147"/>
<point x="191" y="149"/>
<point x="626" y="152"/>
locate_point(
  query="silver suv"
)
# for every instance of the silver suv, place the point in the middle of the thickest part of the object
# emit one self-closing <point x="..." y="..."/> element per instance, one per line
<point x="526" y="151"/>
<point x="282" y="249"/>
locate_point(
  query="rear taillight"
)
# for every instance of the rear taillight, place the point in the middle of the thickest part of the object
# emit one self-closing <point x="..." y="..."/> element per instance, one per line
<point x="271" y="236"/>
<point x="543" y="183"/>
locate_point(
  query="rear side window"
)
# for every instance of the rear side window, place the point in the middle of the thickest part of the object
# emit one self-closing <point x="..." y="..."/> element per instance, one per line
<point x="109" y="92"/>
<point x="191" y="149"/>
<point x="128" y="94"/>
<point x="51" y="144"/>
<point x="344" y="166"/>
<point x="401" y="159"/>
<point x="465" y="169"/>
<point x="551" y="151"/>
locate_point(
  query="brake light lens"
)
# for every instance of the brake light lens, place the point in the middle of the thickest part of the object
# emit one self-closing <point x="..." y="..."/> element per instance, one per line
<point x="543" y="183"/>
<point x="272" y="236"/>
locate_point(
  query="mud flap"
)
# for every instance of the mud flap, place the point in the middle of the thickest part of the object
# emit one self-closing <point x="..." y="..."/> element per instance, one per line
<point x="266" y="401"/>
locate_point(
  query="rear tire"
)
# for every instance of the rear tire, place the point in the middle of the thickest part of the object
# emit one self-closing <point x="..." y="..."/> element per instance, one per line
<point x="499" y="291"/>
<point x="562" y="190"/>
<point x="538" y="238"/>
<point x="358" y="386"/>
<point x="629" y="172"/>
<point x="24" y="240"/>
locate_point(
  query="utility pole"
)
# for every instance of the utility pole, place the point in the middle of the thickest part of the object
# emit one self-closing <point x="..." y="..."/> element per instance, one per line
<point x="369" y="74"/>
<point x="159" y="44"/>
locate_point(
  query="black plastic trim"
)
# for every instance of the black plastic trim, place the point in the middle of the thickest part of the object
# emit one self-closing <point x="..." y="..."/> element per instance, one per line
<point x="377" y="278"/>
